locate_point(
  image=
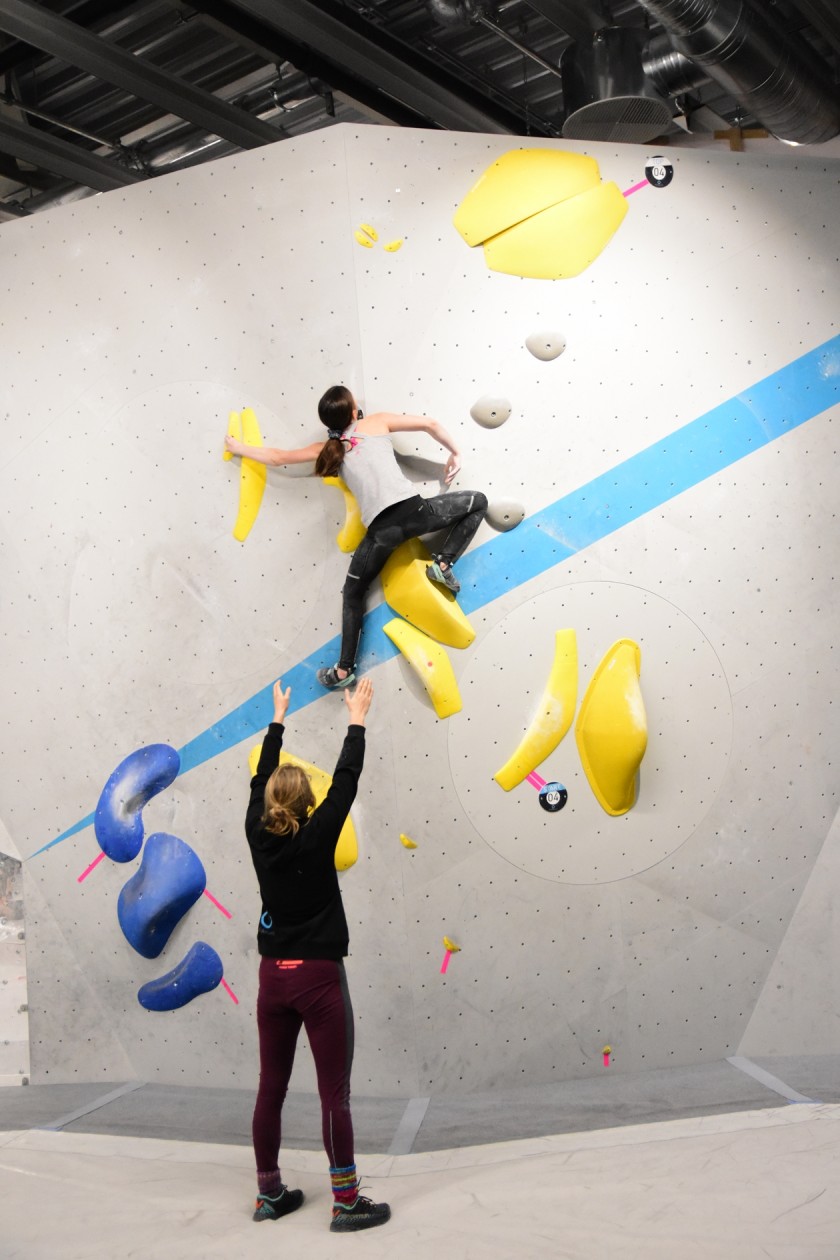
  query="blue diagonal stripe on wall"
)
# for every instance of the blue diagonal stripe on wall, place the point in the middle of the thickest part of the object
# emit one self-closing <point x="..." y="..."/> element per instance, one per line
<point x="762" y="413"/>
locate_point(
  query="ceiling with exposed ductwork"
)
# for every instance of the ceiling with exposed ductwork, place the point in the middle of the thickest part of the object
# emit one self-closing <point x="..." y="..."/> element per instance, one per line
<point x="97" y="95"/>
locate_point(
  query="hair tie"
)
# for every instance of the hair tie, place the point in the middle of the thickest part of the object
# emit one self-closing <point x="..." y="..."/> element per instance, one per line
<point x="335" y="433"/>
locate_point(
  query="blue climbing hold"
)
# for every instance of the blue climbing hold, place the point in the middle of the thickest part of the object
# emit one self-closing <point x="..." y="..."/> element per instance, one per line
<point x="199" y="972"/>
<point x="152" y="903"/>
<point x="118" y="820"/>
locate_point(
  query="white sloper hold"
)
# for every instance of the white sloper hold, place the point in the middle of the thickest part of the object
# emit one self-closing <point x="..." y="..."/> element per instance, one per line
<point x="546" y="345"/>
<point x="490" y="412"/>
<point x="504" y="514"/>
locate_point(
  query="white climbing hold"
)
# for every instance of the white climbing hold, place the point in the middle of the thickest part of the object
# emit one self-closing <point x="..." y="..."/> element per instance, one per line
<point x="490" y="412"/>
<point x="505" y="514"/>
<point x="546" y="345"/>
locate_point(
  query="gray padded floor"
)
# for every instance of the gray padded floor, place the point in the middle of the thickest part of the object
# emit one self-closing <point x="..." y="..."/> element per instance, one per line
<point x="445" y="1121"/>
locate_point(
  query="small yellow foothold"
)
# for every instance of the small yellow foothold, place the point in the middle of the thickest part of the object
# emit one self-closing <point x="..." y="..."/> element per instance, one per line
<point x="406" y="842"/>
<point x="393" y="246"/>
<point x="607" y="1050"/>
<point x="451" y="946"/>
<point x="369" y="231"/>
<point x="363" y="240"/>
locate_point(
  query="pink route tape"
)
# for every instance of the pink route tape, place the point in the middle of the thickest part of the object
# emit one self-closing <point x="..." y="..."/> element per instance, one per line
<point x="536" y="780"/>
<point x="230" y="991"/>
<point x="88" y="870"/>
<point x="628" y="192"/>
<point x="445" y="963"/>
<point x="218" y="905"/>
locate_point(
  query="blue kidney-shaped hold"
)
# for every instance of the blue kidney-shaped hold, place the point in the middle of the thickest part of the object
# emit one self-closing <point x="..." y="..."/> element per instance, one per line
<point x="118" y="821"/>
<point x="152" y="903"/>
<point x="198" y="972"/>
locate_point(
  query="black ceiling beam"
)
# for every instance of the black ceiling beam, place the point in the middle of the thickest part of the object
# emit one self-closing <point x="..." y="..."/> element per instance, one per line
<point x="81" y="48"/>
<point x="575" y="17"/>
<point x="68" y="160"/>
<point x="825" y="17"/>
<point x="345" y="40"/>
<point x="266" y="42"/>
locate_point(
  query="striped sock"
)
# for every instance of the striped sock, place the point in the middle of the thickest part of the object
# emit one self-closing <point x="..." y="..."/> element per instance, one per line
<point x="269" y="1183"/>
<point x="345" y="1185"/>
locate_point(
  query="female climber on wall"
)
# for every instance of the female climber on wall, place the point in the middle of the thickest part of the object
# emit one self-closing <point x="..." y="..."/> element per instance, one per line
<point x="302" y="940"/>
<point x="360" y="449"/>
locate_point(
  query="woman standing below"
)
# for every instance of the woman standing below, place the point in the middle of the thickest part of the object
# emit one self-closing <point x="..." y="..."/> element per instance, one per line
<point x="302" y="940"/>
<point x="360" y="449"/>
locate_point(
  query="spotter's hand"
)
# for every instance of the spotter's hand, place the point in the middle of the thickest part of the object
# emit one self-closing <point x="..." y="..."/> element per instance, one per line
<point x="453" y="467"/>
<point x="281" y="701"/>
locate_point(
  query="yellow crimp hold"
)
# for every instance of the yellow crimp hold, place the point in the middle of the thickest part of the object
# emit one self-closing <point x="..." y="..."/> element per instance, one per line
<point x="611" y="729"/>
<point x="363" y="240"/>
<point x="406" y="842"/>
<point x="428" y="606"/>
<point x="252" y="474"/>
<point x="541" y="213"/>
<point x="393" y="246"/>
<point x="553" y="718"/>
<point x="352" y="531"/>
<point x="347" y="849"/>
<point x="451" y="946"/>
<point x="429" y="660"/>
<point x="369" y="231"/>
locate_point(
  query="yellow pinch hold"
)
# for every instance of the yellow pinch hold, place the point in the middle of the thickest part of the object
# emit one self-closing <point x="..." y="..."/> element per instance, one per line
<point x="521" y="183"/>
<point x="431" y="664"/>
<point x="406" y="842"/>
<point x="451" y="946"/>
<point x="369" y="231"/>
<point x="393" y="246"/>
<point x="251" y="479"/>
<point x="234" y="430"/>
<point x="611" y="729"/>
<point x="429" y="607"/>
<point x="562" y="240"/>
<point x="363" y="240"/>
<point x="352" y="531"/>
<point x="553" y="718"/>
<point x="347" y="849"/>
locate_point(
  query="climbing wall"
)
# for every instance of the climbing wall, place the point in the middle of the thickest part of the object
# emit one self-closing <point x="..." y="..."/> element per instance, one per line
<point x="661" y="425"/>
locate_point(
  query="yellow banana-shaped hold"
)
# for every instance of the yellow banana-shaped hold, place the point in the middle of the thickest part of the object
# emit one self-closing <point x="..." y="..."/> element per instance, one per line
<point x="347" y="849"/>
<point x="430" y="662"/>
<point x="426" y="605"/>
<point x="363" y="240"/>
<point x="393" y="246"/>
<point x="369" y="231"/>
<point x="406" y="842"/>
<point x="451" y="946"/>
<point x="611" y="729"/>
<point x="352" y="531"/>
<point x="252" y="475"/>
<point x="553" y="717"/>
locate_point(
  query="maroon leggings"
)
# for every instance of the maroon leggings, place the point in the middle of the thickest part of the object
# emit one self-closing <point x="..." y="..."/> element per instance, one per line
<point x="311" y="992"/>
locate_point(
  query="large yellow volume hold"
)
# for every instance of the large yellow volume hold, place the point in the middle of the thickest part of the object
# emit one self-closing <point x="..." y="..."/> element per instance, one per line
<point x="519" y="184"/>
<point x="429" y="660"/>
<point x="611" y="729"/>
<point x="430" y="607"/>
<point x="244" y="427"/>
<point x="561" y="241"/>
<point x="553" y="718"/>
<point x="347" y="849"/>
<point x="352" y="531"/>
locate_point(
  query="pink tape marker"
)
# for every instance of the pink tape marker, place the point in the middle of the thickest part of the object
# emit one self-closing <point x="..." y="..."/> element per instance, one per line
<point x="536" y="780"/>
<point x="445" y="963"/>
<point x="88" y="870"/>
<point x="628" y="192"/>
<point x="218" y="904"/>
<point x="230" y="991"/>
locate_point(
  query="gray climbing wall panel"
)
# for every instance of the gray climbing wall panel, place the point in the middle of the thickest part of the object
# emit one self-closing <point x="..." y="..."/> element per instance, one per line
<point x="142" y="317"/>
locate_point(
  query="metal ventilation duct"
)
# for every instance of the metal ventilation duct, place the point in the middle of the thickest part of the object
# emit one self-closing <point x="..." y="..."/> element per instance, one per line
<point x="770" y="73"/>
<point x="605" y="93"/>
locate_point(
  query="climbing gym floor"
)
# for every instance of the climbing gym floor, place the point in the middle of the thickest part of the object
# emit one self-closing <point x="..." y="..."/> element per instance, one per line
<point x="650" y="1165"/>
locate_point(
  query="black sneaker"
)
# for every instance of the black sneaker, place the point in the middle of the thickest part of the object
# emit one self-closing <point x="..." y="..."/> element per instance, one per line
<point x="443" y="577"/>
<point x="271" y="1209"/>
<point x="362" y="1215"/>
<point x="329" y="678"/>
